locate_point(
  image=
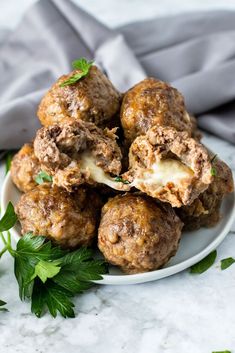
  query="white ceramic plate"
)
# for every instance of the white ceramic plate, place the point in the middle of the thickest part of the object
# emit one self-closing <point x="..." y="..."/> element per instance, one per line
<point x="194" y="246"/>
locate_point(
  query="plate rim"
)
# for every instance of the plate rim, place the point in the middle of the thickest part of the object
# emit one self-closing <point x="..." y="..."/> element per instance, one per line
<point x="146" y="276"/>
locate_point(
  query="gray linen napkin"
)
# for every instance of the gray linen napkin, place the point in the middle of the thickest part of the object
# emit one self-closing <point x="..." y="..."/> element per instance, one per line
<point x="195" y="52"/>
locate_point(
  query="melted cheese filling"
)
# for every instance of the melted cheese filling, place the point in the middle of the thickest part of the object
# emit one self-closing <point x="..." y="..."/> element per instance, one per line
<point x="166" y="171"/>
<point x="96" y="173"/>
<point x="186" y="116"/>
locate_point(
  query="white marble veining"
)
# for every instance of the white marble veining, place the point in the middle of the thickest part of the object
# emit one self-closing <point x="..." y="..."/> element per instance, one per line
<point x="179" y="314"/>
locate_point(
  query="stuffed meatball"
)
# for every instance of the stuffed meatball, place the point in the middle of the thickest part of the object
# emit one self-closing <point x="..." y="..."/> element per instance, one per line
<point x="78" y="152"/>
<point x="137" y="234"/>
<point x="169" y="165"/>
<point x="152" y="102"/>
<point x="93" y="98"/>
<point x="24" y="168"/>
<point x="205" y="210"/>
<point x="69" y="220"/>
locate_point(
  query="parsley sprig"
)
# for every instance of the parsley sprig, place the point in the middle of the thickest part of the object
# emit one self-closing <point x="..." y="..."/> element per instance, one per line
<point x="9" y="218"/>
<point x="83" y="66"/>
<point x="48" y="276"/>
<point x="213" y="169"/>
<point x="43" y="177"/>
<point x="8" y="160"/>
<point x="204" y="264"/>
<point x="225" y="263"/>
<point x="119" y="179"/>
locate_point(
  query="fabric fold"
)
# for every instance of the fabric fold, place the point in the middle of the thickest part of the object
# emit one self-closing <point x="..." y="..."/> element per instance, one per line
<point x="195" y="52"/>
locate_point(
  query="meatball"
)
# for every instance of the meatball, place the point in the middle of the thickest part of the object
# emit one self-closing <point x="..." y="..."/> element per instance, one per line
<point x="24" y="168"/>
<point x="93" y="98"/>
<point x="69" y="220"/>
<point x="137" y="234"/>
<point x="205" y="210"/>
<point x="78" y="152"/>
<point x="153" y="102"/>
<point x="196" y="133"/>
<point x="169" y="165"/>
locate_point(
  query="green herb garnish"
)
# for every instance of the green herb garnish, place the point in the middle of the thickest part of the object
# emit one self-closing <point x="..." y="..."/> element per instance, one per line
<point x="213" y="169"/>
<point x="47" y="275"/>
<point x="43" y="177"/>
<point x="119" y="179"/>
<point x="225" y="263"/>
<point x="213" y="158"/>
<point x="2" y="303"/>
<point x="9" y="219"/>
<point x="222" y="352"/>
<point x="30" y="253"/>
<point x="80" y="64"/>
<point x="204" y="264"/>
<point x="8" y="160"/>
<point x="45" y="270"/>
<point x="55" y="298"/>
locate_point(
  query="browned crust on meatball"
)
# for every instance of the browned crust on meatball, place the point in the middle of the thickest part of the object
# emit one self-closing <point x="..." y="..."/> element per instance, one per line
<point x="93" y="98"/>
<point x="59" y="148"/>
<point x="161" y="143"/>
<point x="196" y="133"/>
<point x="24" y="168"/>
<point x="153" y="102"/>
<point x="69" y="220"/>
<point x="205" y="210"/>
<point x="137" y="234"/>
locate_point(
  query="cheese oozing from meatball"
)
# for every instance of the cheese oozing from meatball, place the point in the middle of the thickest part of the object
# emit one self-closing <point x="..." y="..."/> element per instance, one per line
<point x="165" y="171"/>
<point x="186" y="116"/>
<point x="96" y="173"/>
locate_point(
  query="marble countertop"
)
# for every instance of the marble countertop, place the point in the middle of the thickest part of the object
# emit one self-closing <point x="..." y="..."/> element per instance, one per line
<point x="179" y="314"/>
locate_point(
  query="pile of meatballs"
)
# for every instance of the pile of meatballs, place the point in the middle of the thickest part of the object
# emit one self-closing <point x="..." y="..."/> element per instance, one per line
<point x="127" y="171"/>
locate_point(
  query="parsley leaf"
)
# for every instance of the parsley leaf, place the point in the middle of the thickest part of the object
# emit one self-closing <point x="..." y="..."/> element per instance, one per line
<point x="222" y="352"/>
<point x="78" y="269"/>
<point x="119" y="179"/>
<point x="204" y="264"/>
<point x="225" y="263"/>
<point x="83" y="66"/>
<point x="9" y="218"/>
<point x="29" y="252"/>
<point x="46" y="274"/>
<point x="50" y="276"/>
<point x="2" y="303"/>
<point x="46" y="269"/>
<point x="213" y="169"/>
<point x="8" y="160"/>
<point x="70" y="281"/>
<point x="52" y="296"/>
<point x="42" y="177"/>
